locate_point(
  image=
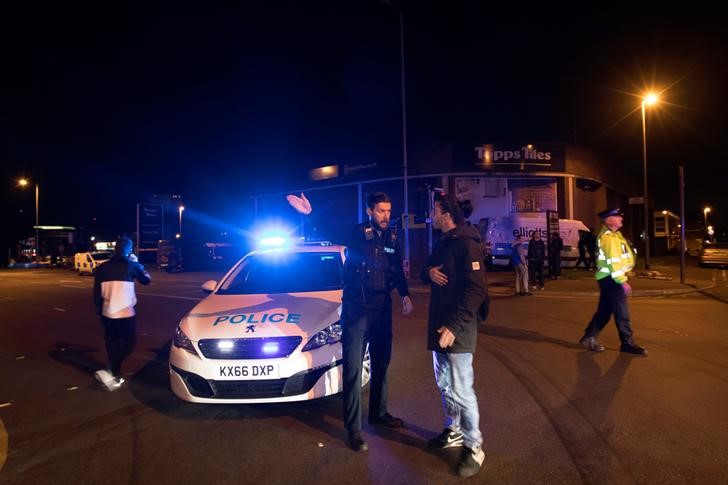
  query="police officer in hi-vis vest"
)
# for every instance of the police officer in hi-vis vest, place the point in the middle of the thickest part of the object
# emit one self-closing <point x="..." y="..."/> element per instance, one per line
<point x="372" y="269"/>
<point x="614" y="261"/>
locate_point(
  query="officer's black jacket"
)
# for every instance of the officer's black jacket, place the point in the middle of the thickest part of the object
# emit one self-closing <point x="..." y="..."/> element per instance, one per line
<point x="456" y="304"/>
<point x="361" y="241"/>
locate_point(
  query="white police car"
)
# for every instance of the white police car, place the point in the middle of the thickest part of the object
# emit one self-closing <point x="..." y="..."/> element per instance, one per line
<point x="268" y="332"/>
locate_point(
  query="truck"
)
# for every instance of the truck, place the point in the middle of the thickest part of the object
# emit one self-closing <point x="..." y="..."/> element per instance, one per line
<point x="501" y="232"/>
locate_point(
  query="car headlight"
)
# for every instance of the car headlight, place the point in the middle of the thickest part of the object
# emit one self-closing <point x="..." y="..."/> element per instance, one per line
<point x="181" y="341"/>
<point x="327" y="336"/>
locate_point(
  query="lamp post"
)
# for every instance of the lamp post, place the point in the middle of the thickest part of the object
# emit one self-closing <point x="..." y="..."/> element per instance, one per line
<point x="181" y="209"/>
<point x="705" y="219"/>
<point x="24" y="182"/>
<point x="648" y="100"/>
<point x="405" y="222"/>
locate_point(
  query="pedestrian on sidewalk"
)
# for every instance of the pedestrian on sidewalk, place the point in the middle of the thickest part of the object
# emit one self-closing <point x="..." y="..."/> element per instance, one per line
<point x="115" y="298"/>
<point x="581" y="246"/>
<point x="536" y="258"/>
<point x="555" y="247"/>
<point x="591" y="247"/>
<point x="520" y="266"/>
<point x="458" y="295"/>
<point x="615" y="260"/>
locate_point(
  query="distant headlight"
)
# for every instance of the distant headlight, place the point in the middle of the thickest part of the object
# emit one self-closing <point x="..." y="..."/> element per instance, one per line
<point x="181" y="341"/>
<point x="327" y="336"/>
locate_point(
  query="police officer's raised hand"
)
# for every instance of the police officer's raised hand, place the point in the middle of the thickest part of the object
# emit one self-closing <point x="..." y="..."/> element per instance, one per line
<point x="407" y="305"/>
<point x="301" y="204"/>
<point x="447" y="338"/>
<point x="437" y="276"/>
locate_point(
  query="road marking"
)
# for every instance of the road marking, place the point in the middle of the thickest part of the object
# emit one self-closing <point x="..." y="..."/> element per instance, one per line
<point x="5" y="404"/>
<point x="8" y="298"/>
<point x="71" y="281"/>
<point x="59" y="309"/>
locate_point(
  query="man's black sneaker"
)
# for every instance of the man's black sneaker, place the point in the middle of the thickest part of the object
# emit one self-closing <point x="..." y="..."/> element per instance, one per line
<point x="632" y="348"/>
<point x="470" y="461"/>
<point x="447" y="439"/>
<point x="356" y="442"/>
<point x="387" y="420"/>
<point x="591" y="344"/>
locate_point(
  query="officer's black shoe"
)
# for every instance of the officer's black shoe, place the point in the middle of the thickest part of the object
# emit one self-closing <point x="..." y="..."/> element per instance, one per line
<point x="356" y="442"/>
<point x="387" y="420"/>
<point x="632" y="348"/>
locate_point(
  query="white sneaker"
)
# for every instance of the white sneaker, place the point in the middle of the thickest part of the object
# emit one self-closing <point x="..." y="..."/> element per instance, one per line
<point x="104" y="377"/>
<point x="115" y="384"/>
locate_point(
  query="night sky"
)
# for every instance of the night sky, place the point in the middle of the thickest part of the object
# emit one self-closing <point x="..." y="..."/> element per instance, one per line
<point x="106" y="103"/>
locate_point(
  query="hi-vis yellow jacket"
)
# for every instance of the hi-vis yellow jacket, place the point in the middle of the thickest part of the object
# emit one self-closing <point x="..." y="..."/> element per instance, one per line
<point x="615" y="258"/>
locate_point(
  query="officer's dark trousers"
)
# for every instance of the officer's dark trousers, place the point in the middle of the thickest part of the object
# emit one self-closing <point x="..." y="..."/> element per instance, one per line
<point x="119" y="335"/>
<point x="361" y="324"/>
<point x="612" y="300"/>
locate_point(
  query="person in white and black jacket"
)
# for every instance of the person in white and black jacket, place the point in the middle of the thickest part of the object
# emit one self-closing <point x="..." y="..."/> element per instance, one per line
<point x="115" y="298"/>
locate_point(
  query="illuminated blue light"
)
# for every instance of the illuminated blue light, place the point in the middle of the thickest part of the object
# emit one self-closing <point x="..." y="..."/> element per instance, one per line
<point x="273" y="241"/>
<point x="225" y="345"/>
<point x="270" y="348"/>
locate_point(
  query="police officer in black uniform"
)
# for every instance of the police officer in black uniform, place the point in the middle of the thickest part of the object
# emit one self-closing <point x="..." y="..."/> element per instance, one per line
<point x="373" y="268"/>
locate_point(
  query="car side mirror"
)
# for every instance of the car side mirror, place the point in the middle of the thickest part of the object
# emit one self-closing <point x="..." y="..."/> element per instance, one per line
<point x="209" y="286"/>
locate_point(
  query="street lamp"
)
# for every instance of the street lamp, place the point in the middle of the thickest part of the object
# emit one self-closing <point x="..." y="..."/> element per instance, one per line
<point x="181" y="208"/>
<point x="405" y="223"/>
<point x="23" y="182"/>
<point x="705" y="218"/>
<point x="648" y="100"/>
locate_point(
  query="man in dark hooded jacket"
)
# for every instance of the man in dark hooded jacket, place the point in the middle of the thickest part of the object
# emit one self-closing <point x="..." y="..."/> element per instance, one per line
<point x="458" y="292"/>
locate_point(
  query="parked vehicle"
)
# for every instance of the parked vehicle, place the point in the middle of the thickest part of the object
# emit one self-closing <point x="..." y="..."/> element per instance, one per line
<point x="187" y="255"/>
<point x="502" y="231"/>
<point x="713" y="254"/>
<point x="268" y="332"/>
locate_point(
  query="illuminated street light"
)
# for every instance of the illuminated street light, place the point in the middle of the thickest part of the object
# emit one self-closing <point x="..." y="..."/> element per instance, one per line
<point x="23" y="182"/>
<point x="181" y="209"/>
<point x="705" y="218"/>
<point x="648" y="100"/>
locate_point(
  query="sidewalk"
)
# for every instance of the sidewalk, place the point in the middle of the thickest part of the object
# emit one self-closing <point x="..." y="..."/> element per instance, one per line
<point x="663" y="278"/>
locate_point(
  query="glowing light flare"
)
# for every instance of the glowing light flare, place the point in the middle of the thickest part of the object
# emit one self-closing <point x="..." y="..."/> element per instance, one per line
<point x="650" y="98"/>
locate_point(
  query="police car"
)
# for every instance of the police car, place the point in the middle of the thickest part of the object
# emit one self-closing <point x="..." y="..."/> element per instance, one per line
<point x="268" y="332"/>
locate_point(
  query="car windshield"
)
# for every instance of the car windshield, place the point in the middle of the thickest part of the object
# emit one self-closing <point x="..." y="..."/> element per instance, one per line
<point x="285" y="272"/>
<point x="101" y="256"/>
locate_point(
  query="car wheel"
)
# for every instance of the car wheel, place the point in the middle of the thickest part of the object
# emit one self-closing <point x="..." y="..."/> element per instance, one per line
<point x="366" y="368"/>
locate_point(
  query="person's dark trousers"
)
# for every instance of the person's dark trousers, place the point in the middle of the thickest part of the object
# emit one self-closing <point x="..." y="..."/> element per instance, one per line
<point x="361" y="324"/>
<point x="120" y="336"/>
<point x="535" y="268"/>
<point x="612" y="301"/>
<point x="555" y="266"/>
<point x="582" y="259"/>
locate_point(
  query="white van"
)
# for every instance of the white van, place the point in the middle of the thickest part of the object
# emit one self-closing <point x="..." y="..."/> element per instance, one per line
<point x="502" y="231"/>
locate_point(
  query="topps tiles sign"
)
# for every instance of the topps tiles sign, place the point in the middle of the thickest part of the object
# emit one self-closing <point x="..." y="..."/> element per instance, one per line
<point x="525" y="158"/>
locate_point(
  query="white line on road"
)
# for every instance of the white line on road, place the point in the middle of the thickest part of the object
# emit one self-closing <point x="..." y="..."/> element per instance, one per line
<point x="58" y="309"/>
<point x="71" y="281"/>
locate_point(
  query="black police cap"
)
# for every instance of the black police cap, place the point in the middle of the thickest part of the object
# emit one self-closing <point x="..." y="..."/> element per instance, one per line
<point x="610" y="212"/>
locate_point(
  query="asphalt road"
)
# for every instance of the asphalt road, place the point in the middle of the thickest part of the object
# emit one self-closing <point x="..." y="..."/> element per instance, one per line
<point x="550" y="411"/>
